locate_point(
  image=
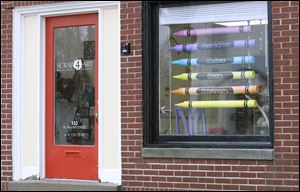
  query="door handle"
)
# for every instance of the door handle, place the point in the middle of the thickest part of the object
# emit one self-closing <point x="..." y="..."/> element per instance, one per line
<point x="96" y="116"/>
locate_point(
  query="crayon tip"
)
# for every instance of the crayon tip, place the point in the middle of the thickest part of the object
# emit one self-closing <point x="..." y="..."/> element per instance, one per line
<point x="179" y="62"/>
<point x="177" y="48"/>
<point x="173" y="48"/>
<point x="175" y="91"/>
<point x="180" y="77"/>
<point x="180" y="33"/>
<point x="178" y="91"/>
<point x="185" y="62"/>
<point x="183" y="104"/>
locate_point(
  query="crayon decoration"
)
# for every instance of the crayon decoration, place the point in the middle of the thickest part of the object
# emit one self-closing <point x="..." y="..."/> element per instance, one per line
<point x="230" y="60"/>
<point x="253" y="89"/>
<point x="214" y="45"/>
<point x="216" y="75"/>
<point x="218" y="104"/>
<point x="213" y="31"/>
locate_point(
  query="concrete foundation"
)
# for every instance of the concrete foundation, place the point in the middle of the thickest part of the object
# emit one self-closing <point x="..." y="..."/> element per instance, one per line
<point x="61" y="185"/>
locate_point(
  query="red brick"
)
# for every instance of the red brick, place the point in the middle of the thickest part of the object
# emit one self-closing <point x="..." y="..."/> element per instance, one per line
<point x="158" y="166"/>
<point x="198" y="174"/>
<point x="214" y="174"/>
<point x="161" y="179"/>
<point x="280" y="3"/>
<point x="190" y="179"/>
<point x="291" y="182"/>
<point x="289" y="21"/>
<point x="257" y="181"/>
<point x="279" y="188"/>
<point x="181" y="185"/>
<point x="150" y="184"/>
<point x="248" y="187"/>
<point x="175" y="167"/>
<point x="182" y="173"/>
<point x="215" y="186"/>
<point x="222" y="168"/>
<point x="166" y="185"/>
<point x="150" y="172"/>
<point x="197" y="186"/>
<point x="265" y="188"/>
<point x="168" y="173"/>
<point x="206" y="180"/>
<point x="290" y="9"/>
<point x="280" y="15"/>
<point x="230" y="187"/>
<point x="223" y="180"/>
<point x="206" y="167"/>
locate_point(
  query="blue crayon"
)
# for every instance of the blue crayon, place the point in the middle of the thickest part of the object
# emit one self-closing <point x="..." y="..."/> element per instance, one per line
<point x="231" y="60"/>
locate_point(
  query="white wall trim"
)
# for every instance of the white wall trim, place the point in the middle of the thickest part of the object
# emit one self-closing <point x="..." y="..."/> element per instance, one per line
<point x="41" y="74"/>
<point x="119" y="176"/>
<point x="100" y="92"/>
<point x="64" y="7"/>
<point x="29" y="172"/>
<point x="17" y="95"/>
<point x="112" y="176"/>
<point x="42" y="11"/>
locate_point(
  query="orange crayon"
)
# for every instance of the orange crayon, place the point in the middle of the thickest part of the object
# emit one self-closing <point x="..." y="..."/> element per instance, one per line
<point x="252" y="89"/>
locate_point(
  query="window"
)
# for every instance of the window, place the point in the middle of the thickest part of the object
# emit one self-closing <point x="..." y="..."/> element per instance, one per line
<point x="207" y="74"/>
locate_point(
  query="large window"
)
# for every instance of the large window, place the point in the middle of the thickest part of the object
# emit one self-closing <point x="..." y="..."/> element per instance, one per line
<point x="207" y="74"/>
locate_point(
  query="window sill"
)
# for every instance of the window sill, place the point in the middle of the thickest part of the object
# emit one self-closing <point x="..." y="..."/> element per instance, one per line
<point x="209" y="153"/>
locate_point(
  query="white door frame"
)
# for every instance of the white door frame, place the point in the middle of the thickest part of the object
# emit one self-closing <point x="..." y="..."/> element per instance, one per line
<point x="43" y="11"/>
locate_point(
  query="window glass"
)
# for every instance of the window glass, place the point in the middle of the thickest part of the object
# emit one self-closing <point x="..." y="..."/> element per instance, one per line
<point x="214" y="70"/>
<point x="74" y="49"/>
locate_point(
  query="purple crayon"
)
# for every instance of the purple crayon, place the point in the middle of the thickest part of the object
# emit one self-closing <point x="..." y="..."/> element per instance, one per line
<point x="214" y="45"/>
<point x="214" y="31"/>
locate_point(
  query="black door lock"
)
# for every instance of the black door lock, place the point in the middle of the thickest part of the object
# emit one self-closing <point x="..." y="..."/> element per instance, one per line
<point x="125" y="48"/>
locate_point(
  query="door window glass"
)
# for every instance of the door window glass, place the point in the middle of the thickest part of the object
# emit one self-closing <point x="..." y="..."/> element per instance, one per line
<point x="74" y="59"/>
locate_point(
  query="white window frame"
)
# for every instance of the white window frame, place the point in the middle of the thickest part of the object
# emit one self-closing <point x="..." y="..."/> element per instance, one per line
<point x="43" y="11"/>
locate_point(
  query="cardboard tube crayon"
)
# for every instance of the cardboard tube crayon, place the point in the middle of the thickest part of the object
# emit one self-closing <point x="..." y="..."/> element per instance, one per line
<point x="219" y="104"/>
<point x="230" y="60"/>
<point x="216" y="75"/>
<point x="214" y="31"/>
<point x="214" y="45"/>
<point x="252" y="89"/>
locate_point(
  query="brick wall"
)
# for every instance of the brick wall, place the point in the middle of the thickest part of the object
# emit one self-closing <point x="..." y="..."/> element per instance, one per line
<point x="6" y="96"/>
<point x="201" y="174"/>
<point x="6" y="86"/>
<point x="179" y="174"/>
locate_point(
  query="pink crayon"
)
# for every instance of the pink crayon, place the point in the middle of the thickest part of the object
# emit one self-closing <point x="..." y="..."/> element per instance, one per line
<point x="214" y="31"/>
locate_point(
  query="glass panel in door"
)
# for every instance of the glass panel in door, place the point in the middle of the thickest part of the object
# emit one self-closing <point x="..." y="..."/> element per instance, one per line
<point x="74" y="57"/>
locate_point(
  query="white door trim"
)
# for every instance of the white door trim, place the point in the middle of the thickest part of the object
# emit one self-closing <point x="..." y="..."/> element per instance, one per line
<point x="42" y="11"/>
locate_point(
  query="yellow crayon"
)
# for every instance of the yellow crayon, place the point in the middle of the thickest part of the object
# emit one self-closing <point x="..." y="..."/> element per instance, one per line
<point x="253" y="89"/>
<point x="216" y="75"/>
<point x="219" y="104"/>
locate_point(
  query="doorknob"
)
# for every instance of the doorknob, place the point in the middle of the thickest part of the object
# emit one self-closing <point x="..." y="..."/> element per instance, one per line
<point x="96" y="116"/>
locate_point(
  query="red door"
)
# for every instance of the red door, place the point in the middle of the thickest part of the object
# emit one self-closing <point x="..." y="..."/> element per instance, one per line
<point x="72" y="97"/>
